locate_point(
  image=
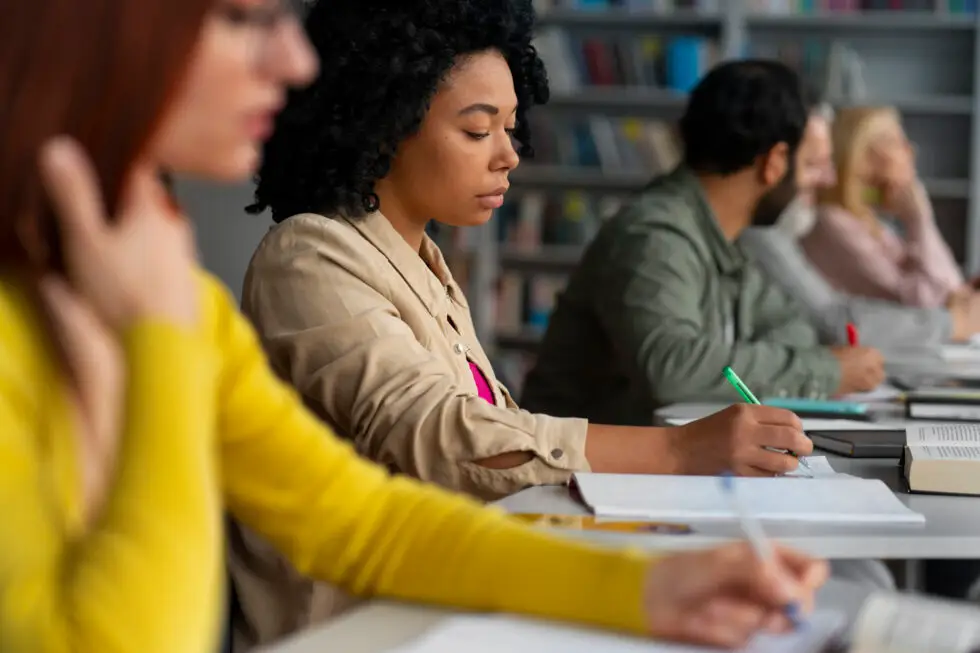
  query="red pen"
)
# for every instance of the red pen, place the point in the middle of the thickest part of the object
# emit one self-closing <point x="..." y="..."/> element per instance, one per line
<point x="852" y="334"/>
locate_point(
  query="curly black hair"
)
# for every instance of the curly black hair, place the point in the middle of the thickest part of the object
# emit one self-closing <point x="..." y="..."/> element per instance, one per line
<point x="738" y="112"/>
<point x="382" y="61"/>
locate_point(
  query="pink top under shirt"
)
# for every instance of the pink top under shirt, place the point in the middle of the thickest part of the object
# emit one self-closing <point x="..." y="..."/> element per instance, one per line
<point x="917" y="270"/>
<point x="482" y="387"/>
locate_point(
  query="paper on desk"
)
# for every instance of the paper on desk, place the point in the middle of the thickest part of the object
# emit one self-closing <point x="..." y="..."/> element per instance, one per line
<point x="494" y="634"/>
<point x="817" y="467"/>
<point x="839" y="499"/>
<point x="884" y="392"/>
<point x="820" y="424"/>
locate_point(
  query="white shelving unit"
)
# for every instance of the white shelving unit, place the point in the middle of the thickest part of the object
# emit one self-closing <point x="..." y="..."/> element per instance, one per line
<point x="925" y="64"/>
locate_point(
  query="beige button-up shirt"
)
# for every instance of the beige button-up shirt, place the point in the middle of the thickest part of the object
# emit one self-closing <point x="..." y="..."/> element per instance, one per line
<point x="378" y="340"/>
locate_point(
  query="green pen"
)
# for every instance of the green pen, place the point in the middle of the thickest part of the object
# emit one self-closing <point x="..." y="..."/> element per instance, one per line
<point x="750" y="398"/>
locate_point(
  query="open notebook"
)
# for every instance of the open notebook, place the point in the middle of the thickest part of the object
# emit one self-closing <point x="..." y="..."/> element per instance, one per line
<point x="837" y="499"/>
<point x="504" y="634"/>
<point x="887" y="623"/>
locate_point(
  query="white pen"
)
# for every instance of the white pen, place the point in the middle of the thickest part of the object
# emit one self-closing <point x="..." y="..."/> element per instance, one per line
<point x="757" y="539"/>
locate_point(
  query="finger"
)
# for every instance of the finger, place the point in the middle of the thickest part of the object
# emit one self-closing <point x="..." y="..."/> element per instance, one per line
<point x="772" y="584"/>
<point x="782" y="437"/>
<point x="73" y="187"/>
<point x="723" y="622"/>
<point x="774" y="416"/>
<point x="809" y="571"/>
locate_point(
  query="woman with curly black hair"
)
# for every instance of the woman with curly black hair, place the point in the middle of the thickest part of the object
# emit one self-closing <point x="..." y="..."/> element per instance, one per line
<point x="419" y="115"/>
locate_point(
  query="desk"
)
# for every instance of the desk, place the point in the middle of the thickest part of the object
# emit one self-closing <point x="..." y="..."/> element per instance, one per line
<point x="380" y="626"/>
<point x="952" y="528"/>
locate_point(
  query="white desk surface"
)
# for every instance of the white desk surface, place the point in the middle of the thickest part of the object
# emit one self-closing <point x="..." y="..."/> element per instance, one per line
<point x="380" y="626"/>
<point x="952" y="528"/>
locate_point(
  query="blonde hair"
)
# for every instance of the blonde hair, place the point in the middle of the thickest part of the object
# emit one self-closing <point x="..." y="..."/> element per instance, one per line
<point x="853" y="132"/>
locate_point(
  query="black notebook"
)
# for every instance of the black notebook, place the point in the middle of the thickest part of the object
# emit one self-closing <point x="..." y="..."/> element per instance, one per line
<point x="861" y="443"/>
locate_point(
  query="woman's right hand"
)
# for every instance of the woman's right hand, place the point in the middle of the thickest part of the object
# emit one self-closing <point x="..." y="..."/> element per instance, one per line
<point x="139" y="265"/>
<point x="723" y="596"/>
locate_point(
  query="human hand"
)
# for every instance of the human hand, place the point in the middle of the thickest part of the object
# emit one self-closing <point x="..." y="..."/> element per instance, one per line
<point x="964" y="312"/>
<point x="862" y="368"/>
<point x="138" y="265"/>
<point x="894" y="174"/>
<point x="723" y="596"/>
<point x="736" y="440"/>
<point x="97" y="368"/>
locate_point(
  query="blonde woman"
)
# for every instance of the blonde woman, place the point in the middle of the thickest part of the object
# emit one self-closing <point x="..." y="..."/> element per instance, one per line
<point x="851" y="244"/>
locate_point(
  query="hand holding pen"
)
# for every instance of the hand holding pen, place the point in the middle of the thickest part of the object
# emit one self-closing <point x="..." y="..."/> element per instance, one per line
<point x="750" y="398"/>
<point x="792" y="608"/>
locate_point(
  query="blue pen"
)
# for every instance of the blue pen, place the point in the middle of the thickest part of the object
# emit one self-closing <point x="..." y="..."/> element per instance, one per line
<point x="757" y="539"/>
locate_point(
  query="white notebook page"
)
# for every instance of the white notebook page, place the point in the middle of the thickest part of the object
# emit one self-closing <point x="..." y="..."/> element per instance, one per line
<point x="503" y="634"/>
<point x="840" y="499"/>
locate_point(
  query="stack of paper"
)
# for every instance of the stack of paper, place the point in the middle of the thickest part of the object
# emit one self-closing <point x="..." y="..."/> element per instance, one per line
<point x="838" y="499"/>
<point x="498" y="634"/>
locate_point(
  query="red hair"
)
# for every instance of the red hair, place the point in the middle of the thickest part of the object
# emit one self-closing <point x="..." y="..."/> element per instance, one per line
<point x="100" y="71"/>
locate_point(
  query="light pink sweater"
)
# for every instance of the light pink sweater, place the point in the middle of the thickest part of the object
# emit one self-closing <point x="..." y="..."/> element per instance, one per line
<point x="917" y="270"/>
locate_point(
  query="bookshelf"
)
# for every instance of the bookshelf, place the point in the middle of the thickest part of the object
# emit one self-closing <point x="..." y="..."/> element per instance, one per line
<point x="924" y="60"/>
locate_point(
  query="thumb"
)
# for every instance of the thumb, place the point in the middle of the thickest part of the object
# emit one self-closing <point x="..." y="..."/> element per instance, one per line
<point x="73" y="187"/>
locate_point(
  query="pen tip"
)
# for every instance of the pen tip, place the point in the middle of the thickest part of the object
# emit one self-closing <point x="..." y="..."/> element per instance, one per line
<point x="795" y="615"/>
<point x="727" y="480"/>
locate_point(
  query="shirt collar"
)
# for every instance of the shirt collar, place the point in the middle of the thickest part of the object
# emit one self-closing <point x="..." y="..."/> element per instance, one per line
<point x="425" y="271"/>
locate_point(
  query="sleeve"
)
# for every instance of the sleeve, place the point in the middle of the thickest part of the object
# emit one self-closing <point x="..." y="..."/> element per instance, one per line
<point x="911" y="274"/>
<point x="332" y="332"/>
<point x="784" y="264"/>
<point x="341" y="519"/>
<point x="650" y="305"/>
<point x="931" y="272"/>
<point x="147" y="575"/>
<point x="887" y="325"/>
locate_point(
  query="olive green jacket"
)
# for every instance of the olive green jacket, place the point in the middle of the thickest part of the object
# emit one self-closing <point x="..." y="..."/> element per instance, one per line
<point x="659" y="305"/>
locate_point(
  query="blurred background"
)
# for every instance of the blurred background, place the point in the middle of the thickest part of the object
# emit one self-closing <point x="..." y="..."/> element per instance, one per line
<point x="620" y="71"/>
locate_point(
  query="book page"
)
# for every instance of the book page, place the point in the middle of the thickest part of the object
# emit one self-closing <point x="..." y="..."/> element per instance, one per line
<point x="944" y="452"/>
<point x="943" y="434"/>
<point x="499" y="634"/>
<point x="897" y="623"/>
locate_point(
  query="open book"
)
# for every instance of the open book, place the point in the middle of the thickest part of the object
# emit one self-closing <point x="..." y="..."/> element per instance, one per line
<point x="943" y="458"/>
<point x="903" y="623"/>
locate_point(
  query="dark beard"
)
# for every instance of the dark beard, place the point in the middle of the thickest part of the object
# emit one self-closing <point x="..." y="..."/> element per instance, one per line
<point x="771" y="205"/>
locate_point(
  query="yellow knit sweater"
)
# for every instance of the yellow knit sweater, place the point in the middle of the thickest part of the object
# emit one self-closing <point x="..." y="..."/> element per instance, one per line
<point x="208" y="427"/>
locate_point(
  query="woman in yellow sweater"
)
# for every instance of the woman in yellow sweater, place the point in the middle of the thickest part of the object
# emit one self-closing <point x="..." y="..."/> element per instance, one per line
<point x="136" y="406"/>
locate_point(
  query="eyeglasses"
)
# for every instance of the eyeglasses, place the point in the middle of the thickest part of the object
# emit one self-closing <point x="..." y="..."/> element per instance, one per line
<point x="265" y="15"/>
<point x="260" y="20"/>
